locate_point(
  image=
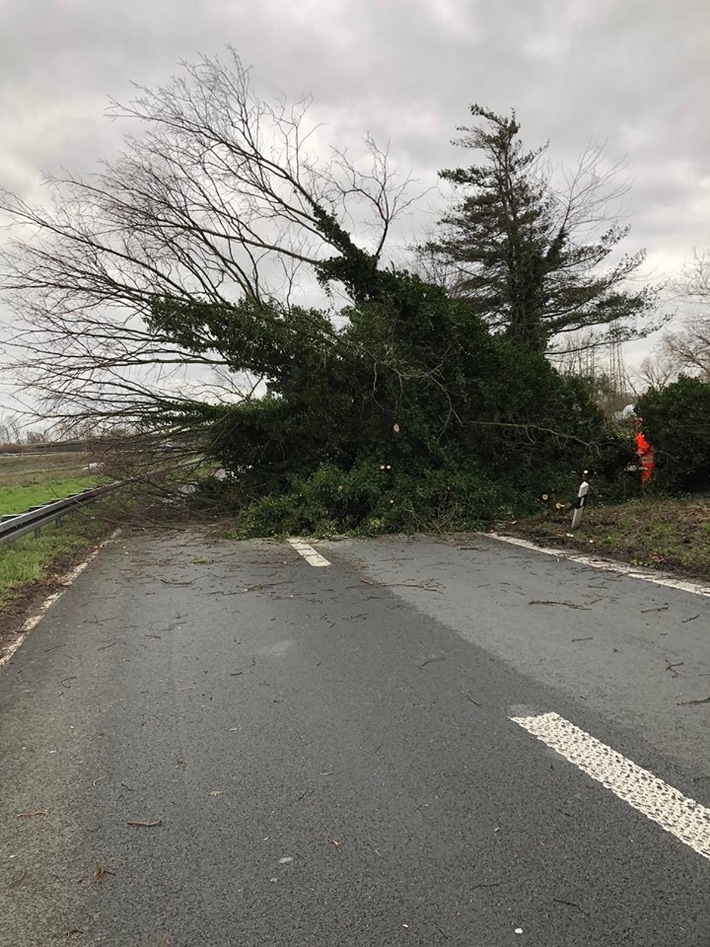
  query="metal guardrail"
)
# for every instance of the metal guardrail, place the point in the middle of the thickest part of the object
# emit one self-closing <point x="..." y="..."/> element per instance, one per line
<point x="15" y="525"/>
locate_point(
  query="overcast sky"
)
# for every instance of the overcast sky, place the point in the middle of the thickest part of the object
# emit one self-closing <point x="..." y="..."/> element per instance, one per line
<point x="632" y="73"/>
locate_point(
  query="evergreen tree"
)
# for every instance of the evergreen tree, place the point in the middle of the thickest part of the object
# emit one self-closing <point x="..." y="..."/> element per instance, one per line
<point x="520" y="251"/>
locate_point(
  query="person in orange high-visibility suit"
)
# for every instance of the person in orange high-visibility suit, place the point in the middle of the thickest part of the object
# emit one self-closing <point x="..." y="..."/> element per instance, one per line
<point x="645" y="453"/>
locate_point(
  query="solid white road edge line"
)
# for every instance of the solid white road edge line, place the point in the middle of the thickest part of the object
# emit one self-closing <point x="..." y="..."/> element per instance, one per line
<point x="683" y="817"/>
<point x="309" y="553"/>
<point x="66" y="581"/>
<point x="609" y="565"/>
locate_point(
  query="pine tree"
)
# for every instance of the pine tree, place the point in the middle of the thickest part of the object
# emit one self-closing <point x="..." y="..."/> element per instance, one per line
<point x="516" y="247"/>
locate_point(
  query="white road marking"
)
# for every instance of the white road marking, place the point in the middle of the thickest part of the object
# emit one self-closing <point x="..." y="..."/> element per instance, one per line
<point x="680" y="815"/>
<point x="610" y="565"/>
<point x="309" y="553"/>
<point x="66" y="581"/>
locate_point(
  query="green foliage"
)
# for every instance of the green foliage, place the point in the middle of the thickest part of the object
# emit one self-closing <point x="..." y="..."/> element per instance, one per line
<point x="375" y="498"/>
<point x="676" y="421"/>
<point x="409" y="416"/>
<point x="520" y="252"/>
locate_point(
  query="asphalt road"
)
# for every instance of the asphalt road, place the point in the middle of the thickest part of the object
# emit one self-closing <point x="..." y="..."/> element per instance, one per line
<point x="212" y="744"/>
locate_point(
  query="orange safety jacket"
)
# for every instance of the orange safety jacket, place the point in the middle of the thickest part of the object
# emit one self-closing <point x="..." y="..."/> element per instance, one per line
<point x="646" y="456"/>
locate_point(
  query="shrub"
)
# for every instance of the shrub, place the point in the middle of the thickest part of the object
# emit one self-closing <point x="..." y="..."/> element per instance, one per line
<point x="677" y="423"/>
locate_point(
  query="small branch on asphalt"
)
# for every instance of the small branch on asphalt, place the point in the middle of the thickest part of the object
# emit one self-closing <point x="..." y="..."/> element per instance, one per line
<point x="660" y="608"/>
<point x="473" y="701"/>
<point x="489" y="884"/>
<point x="427" y="586"/>
<point x="16" y="882"/>
<point x="32" y="813"/>
<point x="537" y="601"/>
<point x="247" y="668"/>
<point x="588" y="638"/>
<point x="101" y="872"/>
<point x="685" y="703"/>
<point x="431" y="661"/>
<point x="144" y="825"/>
<point x="672" y="667"/>
<point x="692" y="618"/>
<point x="169" y="582"/>
<point x="571" y="904"/>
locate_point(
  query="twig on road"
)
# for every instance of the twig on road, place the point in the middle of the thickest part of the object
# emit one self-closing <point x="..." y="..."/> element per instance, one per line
<point x="672" y="667"/>
<point x="247" y="668"/>
<point x="570" y="904"/>
<point x="101" y="872"/>
<point x="427" y="586"/>
<point x="431" y="661"/>
<point x="537" y="601"/>
<point x="144" y="825"/>
<point x="684" y="703"/>
<point x="473" y="701"/>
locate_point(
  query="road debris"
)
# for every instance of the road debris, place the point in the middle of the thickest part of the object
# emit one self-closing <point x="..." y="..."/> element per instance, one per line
<point x="538" y="601"/>
<point x="431" y="661"/>
<point x="684" y="703"/>
<point x="215" y="793"/>
<point x="571" y="904"/>
<point x="672" y="667"/>
<point x="30" y="814"/>
<point x="16" y="882"/>
<point x="101" y="872"/>
<point x="144" y="825"/>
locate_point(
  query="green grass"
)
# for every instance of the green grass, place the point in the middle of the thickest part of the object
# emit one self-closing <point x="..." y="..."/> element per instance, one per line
<point x="33" y="558"/>
<point x="17" y="498"/>
<point x="652" y="531"/>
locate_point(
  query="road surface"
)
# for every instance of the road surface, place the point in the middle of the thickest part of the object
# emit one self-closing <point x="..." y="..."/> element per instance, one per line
<point x="409" y="742"/>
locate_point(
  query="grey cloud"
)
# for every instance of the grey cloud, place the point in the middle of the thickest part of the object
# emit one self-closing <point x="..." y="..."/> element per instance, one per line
<point x="634" y="74"/>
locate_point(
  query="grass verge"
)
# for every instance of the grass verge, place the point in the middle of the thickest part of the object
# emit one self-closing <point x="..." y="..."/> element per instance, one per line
<point x="17" y="498"/>
<point x="33" y="560"/>
<point x="670" y="534"/>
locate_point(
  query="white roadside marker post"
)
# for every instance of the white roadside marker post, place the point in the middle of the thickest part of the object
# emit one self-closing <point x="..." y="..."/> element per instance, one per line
<point x="579" y="504"/>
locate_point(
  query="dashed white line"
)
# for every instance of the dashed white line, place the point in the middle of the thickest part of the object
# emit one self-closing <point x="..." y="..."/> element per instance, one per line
<point x="680" y="815"/>
<point x="309" y="553"/>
